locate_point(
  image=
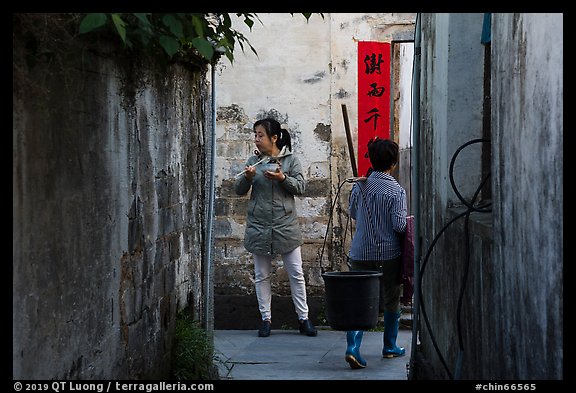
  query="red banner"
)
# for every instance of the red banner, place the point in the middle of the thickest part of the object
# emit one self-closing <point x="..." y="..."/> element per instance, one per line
<point x="373" y="97"/>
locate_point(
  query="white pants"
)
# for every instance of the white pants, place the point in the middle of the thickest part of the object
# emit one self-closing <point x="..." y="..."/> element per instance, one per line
<point x="293" y="265"/>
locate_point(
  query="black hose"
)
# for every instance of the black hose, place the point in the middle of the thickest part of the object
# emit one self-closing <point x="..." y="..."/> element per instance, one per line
<point x="470" y="209"/>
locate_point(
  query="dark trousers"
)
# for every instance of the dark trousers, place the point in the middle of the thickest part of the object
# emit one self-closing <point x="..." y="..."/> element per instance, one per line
<point x="390" y="282"/>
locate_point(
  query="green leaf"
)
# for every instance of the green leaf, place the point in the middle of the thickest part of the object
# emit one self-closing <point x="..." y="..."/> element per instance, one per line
<point x="226" y="21"/>
<point x="144" y="22"/>
<point x="171" y="32"/>
<point x="230" y="56"/>
<point x="249" y="22"/>
<point x="198" y="24"/>
<point x="174" y="25"/>
<point x="91" y="22"/>
<point x="143" y="17"/>
<point x="120" y="26"/>
<point x="204" y="47"/>
<point x="170" y="45"/>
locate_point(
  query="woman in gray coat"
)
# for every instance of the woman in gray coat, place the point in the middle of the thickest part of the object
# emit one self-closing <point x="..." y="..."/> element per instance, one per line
<point x="272" y="228"/>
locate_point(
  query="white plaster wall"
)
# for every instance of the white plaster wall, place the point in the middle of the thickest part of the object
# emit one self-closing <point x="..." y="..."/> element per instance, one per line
<point x="305" y="70"/>
<point x="291" y="75"/>
<point x="405" y="117"/>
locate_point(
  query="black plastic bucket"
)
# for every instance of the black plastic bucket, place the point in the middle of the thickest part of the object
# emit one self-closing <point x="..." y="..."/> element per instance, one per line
<point x="352" y="299"/>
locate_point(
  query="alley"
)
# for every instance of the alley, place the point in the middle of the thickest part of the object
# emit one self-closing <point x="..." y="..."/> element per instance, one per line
<point x="287" y="355"/>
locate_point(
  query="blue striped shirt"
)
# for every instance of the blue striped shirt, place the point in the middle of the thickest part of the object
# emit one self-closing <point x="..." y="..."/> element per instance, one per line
<point x="379" y="207"/>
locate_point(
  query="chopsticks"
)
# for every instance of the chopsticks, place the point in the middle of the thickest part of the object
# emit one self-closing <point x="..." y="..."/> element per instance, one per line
<point x="267" y="158"/>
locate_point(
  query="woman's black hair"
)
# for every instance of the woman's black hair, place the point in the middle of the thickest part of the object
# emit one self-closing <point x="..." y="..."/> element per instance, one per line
<point x="383" y="153"/>
<point x="272" y="127"/>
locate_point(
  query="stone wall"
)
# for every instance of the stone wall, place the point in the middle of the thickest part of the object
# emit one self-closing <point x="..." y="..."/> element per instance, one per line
<point x="108" y="206"/>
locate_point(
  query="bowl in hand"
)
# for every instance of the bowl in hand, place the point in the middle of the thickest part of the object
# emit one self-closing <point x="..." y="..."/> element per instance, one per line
<point x="271" y="166"/>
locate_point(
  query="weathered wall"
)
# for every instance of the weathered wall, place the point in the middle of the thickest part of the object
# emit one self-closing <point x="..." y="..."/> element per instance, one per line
<point x="510" y="317"/>
<point x="108" y="206"/>
<point x="304" y="72"/>
<point x="528" y="195"/>
<point x="451" y="83"/>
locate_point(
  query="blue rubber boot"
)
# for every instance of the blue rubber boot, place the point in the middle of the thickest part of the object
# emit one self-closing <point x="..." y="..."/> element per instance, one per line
<point x="391" y="324"/>
<point x="353" y="357"/>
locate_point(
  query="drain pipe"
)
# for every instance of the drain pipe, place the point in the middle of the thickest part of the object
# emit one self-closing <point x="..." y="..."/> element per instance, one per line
<point x="416" y="190"/>
<point x="209" y="268"/>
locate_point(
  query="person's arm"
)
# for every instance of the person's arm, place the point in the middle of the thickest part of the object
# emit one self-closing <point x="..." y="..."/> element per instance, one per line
<point x="243" y="182"/>
<point x="294" y="181"/>
<point x="399" y="212"/>
<point x="353" y="202"/>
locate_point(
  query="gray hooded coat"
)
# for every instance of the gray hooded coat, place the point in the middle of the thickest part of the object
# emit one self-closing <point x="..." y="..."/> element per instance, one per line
<point x="272" y="223"/>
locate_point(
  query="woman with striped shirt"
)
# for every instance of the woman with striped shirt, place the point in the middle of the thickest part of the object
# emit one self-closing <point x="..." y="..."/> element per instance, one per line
<point x="378" y="205"/>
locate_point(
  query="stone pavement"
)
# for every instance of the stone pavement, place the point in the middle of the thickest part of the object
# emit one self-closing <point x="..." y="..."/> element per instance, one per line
<point x="288" y="355"/>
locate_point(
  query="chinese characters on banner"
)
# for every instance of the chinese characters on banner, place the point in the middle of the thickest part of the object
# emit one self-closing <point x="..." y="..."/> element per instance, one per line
<point x="373" y="97"/>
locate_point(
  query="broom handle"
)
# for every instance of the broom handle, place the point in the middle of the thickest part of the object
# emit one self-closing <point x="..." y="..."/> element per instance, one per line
<point x="349" y="138"/>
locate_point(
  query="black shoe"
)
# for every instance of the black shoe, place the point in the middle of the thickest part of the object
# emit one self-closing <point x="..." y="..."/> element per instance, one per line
<point x="264" y="330"/>
<point x="307" y="328"/>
